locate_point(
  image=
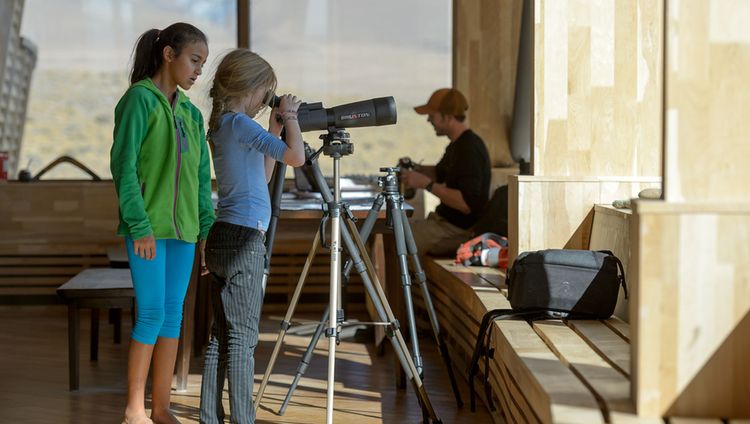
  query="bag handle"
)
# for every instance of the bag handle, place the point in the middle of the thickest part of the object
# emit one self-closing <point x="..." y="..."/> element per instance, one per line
<point x="622" y="276"/>
<point x="621" y="268"/>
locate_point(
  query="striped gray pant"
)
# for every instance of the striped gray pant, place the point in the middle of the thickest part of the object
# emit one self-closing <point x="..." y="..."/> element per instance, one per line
<point x="234" y="255"/>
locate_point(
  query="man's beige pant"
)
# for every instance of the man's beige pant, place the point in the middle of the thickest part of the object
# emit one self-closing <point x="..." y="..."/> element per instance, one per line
<point x="436" y="236"/>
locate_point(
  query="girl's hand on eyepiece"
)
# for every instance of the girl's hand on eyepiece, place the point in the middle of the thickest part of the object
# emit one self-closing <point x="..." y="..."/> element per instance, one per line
<point x="289" y="103"/>
<point x="287" y="110"/>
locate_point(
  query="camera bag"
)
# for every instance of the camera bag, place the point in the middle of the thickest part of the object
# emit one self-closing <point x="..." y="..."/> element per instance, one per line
<point x="576" y="284"/>
<point x="554" y="283"/>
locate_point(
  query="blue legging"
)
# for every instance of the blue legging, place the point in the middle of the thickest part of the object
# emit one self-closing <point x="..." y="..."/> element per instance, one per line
<point x="160" y="286"/>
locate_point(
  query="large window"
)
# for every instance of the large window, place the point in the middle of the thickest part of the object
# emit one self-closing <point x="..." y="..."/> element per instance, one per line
<point x="336" y="52"/>
<point x="330" y="51"/>
<point x="84" y="49"/>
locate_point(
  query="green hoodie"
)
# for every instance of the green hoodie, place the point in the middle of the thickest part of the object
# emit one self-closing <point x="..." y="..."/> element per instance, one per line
<point x="162" y="176"/>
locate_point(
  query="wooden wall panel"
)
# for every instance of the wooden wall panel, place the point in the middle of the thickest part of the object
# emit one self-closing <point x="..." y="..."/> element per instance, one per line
<point x="50" y="231"/>
<point x="611" y="231"/>
<point x="73" y="212"/>
<point x="485" y="53"/>
<point x="690" y="312"/>
<point x="597" y="88"/>
<point x="556" y="213"/>
<point x="707" y="130"/>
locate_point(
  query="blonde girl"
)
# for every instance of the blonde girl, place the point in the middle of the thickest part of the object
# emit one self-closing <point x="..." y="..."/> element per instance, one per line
<point x="244" y="154"/>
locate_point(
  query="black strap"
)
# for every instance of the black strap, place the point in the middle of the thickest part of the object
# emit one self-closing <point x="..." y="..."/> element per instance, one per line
<point x="480" y="349"/>
<point x="490" y="351"/>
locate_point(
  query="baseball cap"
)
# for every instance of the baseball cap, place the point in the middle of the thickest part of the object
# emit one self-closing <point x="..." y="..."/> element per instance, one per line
<point x="448" y="101"/>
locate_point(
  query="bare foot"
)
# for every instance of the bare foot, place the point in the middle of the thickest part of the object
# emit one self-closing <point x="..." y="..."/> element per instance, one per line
<point x="164" y="417"/>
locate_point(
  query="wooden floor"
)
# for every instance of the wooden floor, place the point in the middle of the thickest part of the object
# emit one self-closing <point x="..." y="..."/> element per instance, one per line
<point x="34" y="377"/>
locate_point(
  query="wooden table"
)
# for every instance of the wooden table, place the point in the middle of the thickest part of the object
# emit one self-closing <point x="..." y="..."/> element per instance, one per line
<point x="93" y="288"/>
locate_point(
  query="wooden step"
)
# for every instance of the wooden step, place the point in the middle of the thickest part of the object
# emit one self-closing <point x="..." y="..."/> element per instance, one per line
<point x="547" y="371"/>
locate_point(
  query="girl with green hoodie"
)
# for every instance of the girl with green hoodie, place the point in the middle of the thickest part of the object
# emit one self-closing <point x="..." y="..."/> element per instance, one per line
<point x="160" y="167"/>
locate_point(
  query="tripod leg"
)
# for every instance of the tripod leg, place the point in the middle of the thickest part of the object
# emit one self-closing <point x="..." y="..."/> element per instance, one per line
<point x="422" y="281"/>
<point x="275" y="187"/>
<point x="398" y="230"/>
<point x="305" y="361"/>
<point x="364" y="233"/>
<point x="372" y="284"/>
<point x="335" y="285"/>
<point x="286" y="323"/>
<point x="366" y="229"/>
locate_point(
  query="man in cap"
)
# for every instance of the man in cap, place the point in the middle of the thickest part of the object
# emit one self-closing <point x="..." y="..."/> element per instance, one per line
<point x="461" y="179"/>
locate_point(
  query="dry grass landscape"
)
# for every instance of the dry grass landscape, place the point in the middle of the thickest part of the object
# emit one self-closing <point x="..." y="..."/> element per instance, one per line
<point x="71" y="113"/>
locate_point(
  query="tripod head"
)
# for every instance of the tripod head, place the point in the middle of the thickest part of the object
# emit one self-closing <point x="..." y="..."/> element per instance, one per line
<point x="389" y="181"/>
<point x="389" y="184"/>
<point x="335" y="144"/>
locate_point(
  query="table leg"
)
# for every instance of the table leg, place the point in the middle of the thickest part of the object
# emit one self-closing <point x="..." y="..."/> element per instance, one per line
<point x="94" y="348"/>
<point x="378" y="260"/>
<point x="116" y="315"/>
<point x="395" y="296"/>
<point x="73" y="345"/>
<point x="186" y="335"/>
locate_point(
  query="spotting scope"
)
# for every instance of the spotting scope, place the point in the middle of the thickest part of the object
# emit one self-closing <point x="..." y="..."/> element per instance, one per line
<point x="364" y="113"/>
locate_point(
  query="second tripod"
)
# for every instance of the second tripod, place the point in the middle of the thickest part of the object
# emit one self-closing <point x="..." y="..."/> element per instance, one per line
<point x="405" y="246"/>
<point x="396" y="220"/>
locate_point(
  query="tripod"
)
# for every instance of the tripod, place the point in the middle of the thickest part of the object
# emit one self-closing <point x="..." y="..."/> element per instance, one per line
<point x="397" y="220"/>
<point x="336" y="145"/>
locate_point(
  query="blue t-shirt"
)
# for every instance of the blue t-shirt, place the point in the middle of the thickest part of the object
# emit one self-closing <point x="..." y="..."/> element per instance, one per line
<point x="240" y="147"/>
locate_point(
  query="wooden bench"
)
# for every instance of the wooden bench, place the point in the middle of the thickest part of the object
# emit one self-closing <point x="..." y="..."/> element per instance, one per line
<point x="93" y="288"/>
<point x="549" y="371"/>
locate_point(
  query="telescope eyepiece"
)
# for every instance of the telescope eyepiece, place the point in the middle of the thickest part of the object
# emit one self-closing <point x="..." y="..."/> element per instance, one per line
<point x="275" y="101"/>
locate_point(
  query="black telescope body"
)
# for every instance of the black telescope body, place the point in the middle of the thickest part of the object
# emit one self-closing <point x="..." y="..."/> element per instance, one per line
<point x="364" y="113"/>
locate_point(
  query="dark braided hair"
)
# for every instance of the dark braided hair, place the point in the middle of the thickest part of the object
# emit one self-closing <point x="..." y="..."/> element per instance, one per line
<point x="147" y="55"/>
